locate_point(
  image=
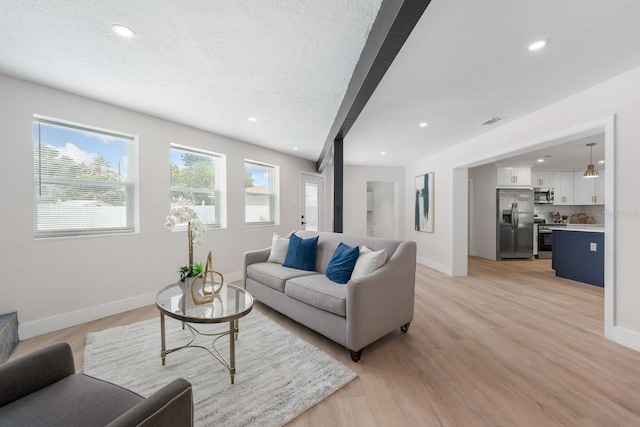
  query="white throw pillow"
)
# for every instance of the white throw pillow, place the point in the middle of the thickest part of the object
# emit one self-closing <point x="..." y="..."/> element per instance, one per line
<point x="368" y="262"/>
<point x="279" y="246"/>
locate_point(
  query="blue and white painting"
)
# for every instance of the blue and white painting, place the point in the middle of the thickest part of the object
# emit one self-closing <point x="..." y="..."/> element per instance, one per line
<point x="424" y="203"/>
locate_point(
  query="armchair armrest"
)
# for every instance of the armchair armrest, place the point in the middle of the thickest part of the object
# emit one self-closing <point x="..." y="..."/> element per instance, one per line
<point x="35" y="371"/>
<point x="383" y="300"/>
<point x="171" y="406"/>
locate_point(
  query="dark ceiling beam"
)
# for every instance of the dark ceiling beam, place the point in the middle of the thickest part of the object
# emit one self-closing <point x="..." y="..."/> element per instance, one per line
<point x="391" y="28"/>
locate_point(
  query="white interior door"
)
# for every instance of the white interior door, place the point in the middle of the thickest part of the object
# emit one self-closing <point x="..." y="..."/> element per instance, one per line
<point x="311" y="202"/>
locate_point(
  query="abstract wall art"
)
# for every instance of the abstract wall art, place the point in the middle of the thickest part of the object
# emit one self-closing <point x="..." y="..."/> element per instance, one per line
<point x="424" y="203"/>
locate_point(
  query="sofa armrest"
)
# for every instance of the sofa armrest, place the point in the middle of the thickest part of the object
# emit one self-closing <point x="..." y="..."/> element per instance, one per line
<point x="35" y="371"/>
<point x="383" y="300"/>
<point x="171" y="406"/>
<point x="254" y="257"/>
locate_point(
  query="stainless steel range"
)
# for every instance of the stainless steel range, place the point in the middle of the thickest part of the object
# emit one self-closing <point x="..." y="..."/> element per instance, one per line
<point x="545" y="239"/>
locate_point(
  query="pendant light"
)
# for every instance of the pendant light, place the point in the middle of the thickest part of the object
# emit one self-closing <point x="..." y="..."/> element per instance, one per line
<point x="591" y="169"/>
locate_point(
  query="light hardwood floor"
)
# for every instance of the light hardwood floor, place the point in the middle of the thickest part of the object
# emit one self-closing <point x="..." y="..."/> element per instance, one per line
<point x="510" y="345"/>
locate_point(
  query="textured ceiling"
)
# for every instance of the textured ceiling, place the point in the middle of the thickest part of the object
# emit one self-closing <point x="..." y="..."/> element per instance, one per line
<point x="208" y="64"/>
<point x="213" y="64"/>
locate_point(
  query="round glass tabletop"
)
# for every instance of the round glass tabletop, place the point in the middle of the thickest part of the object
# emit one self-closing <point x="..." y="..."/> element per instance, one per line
<point x="229" y="304"/>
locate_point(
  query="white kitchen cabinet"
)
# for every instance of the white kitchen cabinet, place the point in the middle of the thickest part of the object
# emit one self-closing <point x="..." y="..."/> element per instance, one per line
<point x="563" y="188"/>
<point x="541" y="178"/>
<point x="514" y="176"/>
<point x="588" y="191"/>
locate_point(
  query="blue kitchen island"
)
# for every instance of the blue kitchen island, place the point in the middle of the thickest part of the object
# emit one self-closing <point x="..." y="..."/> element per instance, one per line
<point x="578" y="254"/>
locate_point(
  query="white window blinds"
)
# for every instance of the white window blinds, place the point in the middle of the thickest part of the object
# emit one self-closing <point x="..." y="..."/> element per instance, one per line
<point x="82" y="180"/>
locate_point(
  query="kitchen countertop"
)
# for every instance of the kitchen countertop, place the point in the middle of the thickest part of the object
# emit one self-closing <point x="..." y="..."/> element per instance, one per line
<point x="590" y="228"/>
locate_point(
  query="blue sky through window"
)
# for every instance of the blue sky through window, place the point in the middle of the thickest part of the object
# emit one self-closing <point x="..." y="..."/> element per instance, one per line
<point x="259" y="173"/>
<point x="83" y="145"/>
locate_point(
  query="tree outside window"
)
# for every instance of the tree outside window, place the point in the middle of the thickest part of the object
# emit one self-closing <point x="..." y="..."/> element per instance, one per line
<point x="81" y="180"/>
<point x="195" y="183"/>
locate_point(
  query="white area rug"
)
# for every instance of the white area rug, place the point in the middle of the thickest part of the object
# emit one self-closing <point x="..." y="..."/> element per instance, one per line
<point x="278" y="375"/>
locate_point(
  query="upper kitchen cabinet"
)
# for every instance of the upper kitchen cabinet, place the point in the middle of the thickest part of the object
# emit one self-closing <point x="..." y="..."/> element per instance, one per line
<point x="513" y="176"/>
<point x="563" y="188"/>
<point x="588" y="191"/>
<point x="540" y="178"/>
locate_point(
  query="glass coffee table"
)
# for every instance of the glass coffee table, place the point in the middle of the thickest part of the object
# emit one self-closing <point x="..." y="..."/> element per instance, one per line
<point x="229" y="305"/>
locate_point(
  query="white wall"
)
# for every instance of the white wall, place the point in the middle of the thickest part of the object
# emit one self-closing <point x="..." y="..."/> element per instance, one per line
<point x="483" y="212"/>
<point x="355" y="196"/>
<point x="434" y="249"/>
<point x="55" y="283"/>
<point x="619" y="96"/>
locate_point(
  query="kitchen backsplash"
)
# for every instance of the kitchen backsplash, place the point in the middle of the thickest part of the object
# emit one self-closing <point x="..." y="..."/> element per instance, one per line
<point x="596" y="211"/>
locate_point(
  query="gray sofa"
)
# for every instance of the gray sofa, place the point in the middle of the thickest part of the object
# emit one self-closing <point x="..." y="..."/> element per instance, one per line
<point x="354" y="314"/>
<point x="42" y="388"/>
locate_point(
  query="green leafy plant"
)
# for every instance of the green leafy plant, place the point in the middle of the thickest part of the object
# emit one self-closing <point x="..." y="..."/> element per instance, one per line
<point x="191" y="271"/>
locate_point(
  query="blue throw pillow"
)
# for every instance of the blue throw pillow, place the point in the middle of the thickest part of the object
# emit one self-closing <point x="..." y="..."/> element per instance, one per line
<point x="342" y="262"/>
<point x="301" y="253"/>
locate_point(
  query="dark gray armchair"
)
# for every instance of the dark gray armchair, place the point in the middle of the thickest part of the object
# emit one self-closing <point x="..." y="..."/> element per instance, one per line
<point x="42" y="389"/>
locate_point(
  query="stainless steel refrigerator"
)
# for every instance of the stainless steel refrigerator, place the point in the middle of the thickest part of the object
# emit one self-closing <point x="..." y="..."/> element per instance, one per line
<point x="515" y="224"/>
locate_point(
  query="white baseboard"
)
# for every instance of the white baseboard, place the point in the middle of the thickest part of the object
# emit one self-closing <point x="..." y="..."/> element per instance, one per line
<point x="626" y="337"/>
<point x="65" y="320"/>
<point x="436" y="266"/>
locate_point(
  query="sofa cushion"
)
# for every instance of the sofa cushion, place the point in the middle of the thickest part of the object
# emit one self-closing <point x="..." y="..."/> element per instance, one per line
<point x="301" y="253"/>
<point x="319" y="291"/>
<point x="279" y="246"/>
<point x="328" y="243"/>
<point x="368" y="262"/>
<point x="342" y="262"/>
<point x="274" y="275"/>
<point x="78" y="400"/>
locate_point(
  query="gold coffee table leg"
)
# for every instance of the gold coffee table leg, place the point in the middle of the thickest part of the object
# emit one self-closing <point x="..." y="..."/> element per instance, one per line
<point x="163" y="348"/>
<point x="232" y="349"/>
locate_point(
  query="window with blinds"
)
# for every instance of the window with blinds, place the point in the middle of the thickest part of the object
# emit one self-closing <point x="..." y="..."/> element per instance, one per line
<point x="259" y="193"/>
<point x="82" y="180"/>
<point x="195" y="182"/>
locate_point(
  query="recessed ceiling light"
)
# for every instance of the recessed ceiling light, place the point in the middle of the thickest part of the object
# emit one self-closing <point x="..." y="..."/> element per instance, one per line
<point x="601" y="162"/>
<point x="424" y="124"/>
<point x="253" y="119"/>
<point x="383" y="152"/>
<point x="540" y="160"/>
<point x="295" y="148"/>
<point x="537" y="45"/>
<point x="123" y="31"/>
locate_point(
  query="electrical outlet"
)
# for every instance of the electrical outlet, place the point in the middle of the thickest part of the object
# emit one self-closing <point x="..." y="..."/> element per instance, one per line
<point x="593" y="247"/>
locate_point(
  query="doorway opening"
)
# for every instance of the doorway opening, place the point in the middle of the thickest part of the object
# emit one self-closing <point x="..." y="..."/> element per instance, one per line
<point x="311" y="202"/>
<point x="382" y="209"/>
<point x="465" y="207"/>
